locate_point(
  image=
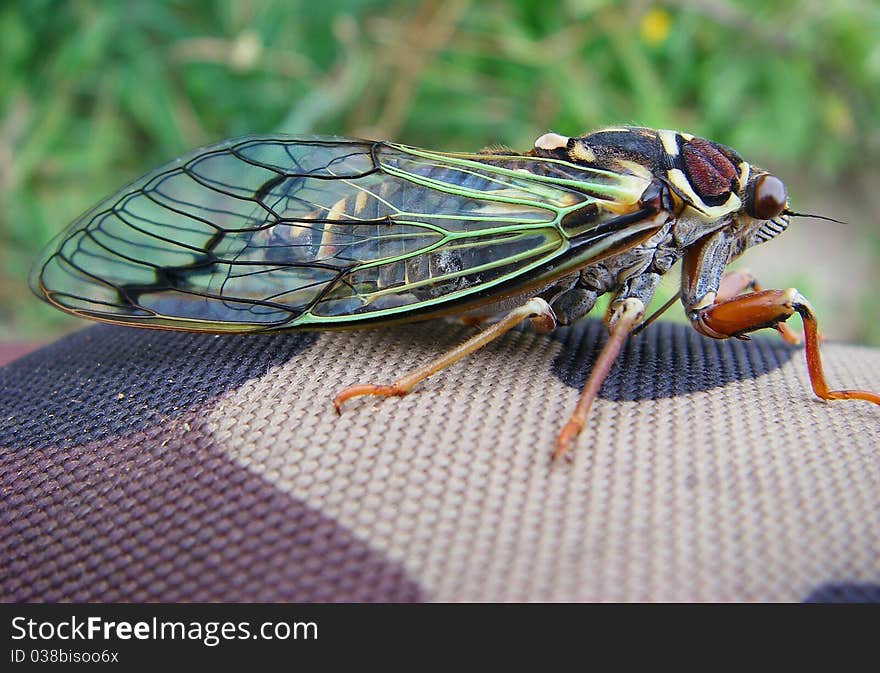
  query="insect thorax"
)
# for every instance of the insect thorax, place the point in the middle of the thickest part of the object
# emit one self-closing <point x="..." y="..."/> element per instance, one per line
<point x="704" y="183"/>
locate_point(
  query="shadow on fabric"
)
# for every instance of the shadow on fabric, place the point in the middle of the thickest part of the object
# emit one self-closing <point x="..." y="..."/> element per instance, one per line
<point x="666" y="360"/>
<point x="59" y="393"/>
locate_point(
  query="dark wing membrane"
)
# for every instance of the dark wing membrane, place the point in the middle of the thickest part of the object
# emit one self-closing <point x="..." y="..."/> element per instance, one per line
<point x="282" y="232"/>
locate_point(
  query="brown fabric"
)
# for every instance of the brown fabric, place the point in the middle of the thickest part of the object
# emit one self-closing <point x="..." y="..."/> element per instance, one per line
<point x="14" y="350"/>
<point x="145" y="466"/>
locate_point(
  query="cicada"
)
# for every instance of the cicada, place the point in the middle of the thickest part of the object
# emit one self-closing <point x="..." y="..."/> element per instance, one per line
<point x="266" y="233"/>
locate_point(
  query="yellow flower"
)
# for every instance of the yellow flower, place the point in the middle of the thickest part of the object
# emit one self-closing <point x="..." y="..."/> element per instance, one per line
<point x="654" y="27"/>
<point x="838" y="117"/>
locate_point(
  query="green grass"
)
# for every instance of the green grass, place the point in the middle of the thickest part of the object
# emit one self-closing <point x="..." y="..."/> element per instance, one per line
<point x="92" y="94"/>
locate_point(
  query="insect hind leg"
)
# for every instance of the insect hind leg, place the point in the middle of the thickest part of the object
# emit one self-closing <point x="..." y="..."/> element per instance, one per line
<point x="536" y="309"/>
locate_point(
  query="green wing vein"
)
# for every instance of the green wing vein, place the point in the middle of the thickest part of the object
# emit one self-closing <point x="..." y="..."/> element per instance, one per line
<point x="262" y="233"/>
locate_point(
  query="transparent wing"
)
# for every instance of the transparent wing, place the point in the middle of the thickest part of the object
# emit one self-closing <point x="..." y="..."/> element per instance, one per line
<point x="283" y="232"/>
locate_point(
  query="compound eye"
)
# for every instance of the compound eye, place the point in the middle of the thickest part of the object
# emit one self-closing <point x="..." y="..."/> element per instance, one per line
<point x="768" y="198"/>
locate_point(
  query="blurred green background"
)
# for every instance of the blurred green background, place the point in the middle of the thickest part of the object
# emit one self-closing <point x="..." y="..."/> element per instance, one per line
<point x="93" y="94"/>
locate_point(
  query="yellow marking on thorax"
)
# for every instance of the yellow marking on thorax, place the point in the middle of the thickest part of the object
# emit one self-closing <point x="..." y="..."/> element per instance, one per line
<point x="669" y="140"/>
<point x="551" y="141"/>
<point x="680" y="182"/>
<point x="581" y="152"/>
<point x="744" y="172"/>
<point x="636" y="169"/>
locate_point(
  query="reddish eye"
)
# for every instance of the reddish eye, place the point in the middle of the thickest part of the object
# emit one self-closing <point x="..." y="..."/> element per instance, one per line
<point x="768" y="198"/>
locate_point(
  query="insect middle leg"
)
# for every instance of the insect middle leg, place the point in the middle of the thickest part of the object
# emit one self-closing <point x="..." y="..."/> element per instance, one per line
<point x="536" y="309"/>
<point x="625" y="313"/>
<point x="623" y="318"/>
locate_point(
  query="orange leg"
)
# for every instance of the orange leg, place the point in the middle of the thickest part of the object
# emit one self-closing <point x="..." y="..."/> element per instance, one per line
<point x="623" y="319"/>
<point x="768" y="308"/>
<point x="536" y="309"/>
<point x="734" y="283"/>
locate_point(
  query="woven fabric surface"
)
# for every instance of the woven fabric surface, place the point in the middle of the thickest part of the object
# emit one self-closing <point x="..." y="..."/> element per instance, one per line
<point x="154" y="466"/>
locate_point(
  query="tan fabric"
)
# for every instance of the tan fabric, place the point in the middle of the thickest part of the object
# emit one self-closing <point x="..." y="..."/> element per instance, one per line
<point x="141" y="465"/>
<point x="752" y="491"/>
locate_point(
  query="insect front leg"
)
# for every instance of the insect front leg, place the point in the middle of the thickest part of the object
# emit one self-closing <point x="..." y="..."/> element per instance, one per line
<point x="536" y="309"/>
<point x="734" y="283"/>
<point x="716" y="310"/>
